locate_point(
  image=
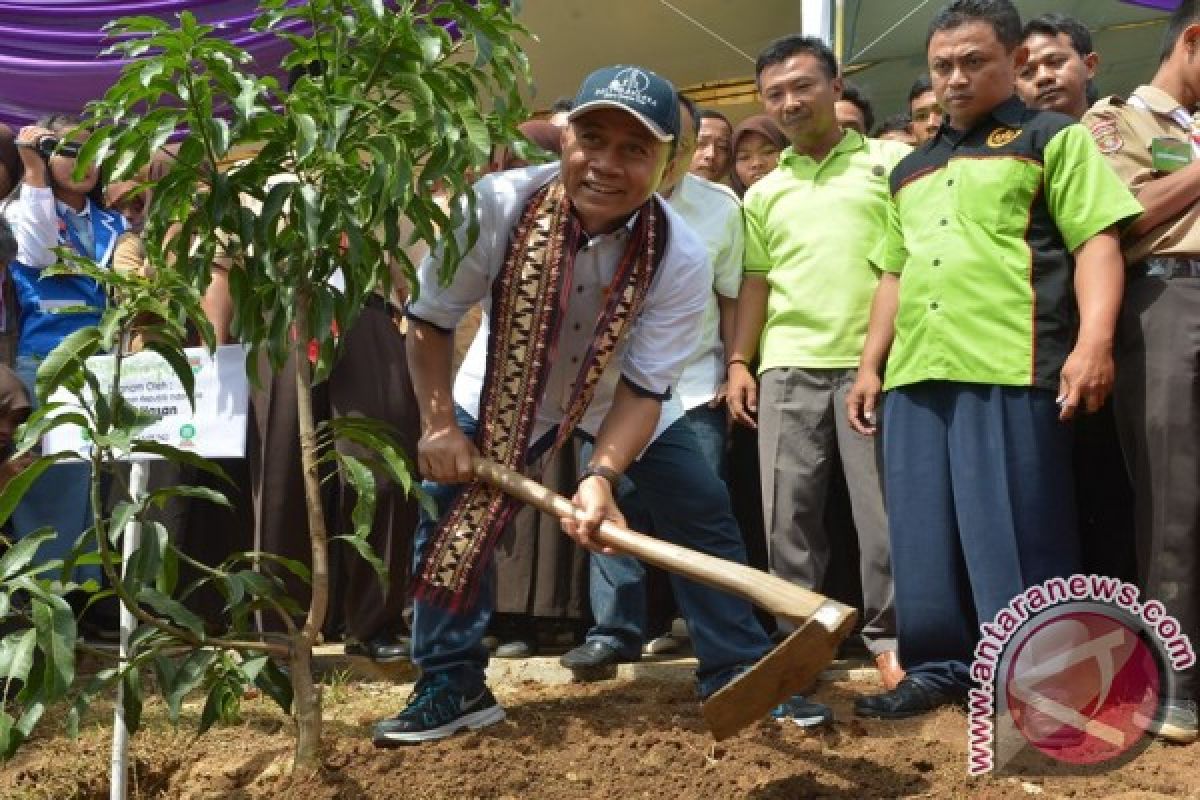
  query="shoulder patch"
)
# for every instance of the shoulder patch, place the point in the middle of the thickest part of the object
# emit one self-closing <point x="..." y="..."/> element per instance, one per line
<point x="1108" y="138"/>
<point x="1002" y="136"/>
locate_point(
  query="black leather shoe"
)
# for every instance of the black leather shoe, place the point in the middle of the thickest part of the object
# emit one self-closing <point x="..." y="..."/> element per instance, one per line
<point x="908" y="699"/>
<point x="593" y="655"/>
<point x="381" y="649"/>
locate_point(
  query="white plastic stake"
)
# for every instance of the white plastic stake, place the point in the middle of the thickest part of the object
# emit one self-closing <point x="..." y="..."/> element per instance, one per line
<point x="120" y="742"/>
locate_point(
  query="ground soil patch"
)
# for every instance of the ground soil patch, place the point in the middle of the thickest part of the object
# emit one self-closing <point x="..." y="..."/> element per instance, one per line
<point x="604" y="740"/>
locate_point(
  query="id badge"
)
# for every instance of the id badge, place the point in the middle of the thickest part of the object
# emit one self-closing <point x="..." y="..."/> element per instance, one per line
<point x="1169" y="155"/>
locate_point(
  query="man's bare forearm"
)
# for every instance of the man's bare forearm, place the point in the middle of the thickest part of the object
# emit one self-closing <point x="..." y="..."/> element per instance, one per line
<point x="429" y="364"/>
<point x="626" y="429"/>
<point x="1099" y="285"/>
<point x="882" y="326"/>
<point x="1166" y="198"/>
<point x="751" y="316"/>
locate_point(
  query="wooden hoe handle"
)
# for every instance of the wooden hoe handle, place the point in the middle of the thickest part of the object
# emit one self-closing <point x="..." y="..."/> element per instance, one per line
<point x="766" y="591"/>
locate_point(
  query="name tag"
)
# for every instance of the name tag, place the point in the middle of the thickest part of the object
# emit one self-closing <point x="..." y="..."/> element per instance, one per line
<point x="1169" y="155"/>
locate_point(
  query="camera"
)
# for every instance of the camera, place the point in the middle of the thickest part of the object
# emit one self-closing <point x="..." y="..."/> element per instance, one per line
<point x="49" y="145"/>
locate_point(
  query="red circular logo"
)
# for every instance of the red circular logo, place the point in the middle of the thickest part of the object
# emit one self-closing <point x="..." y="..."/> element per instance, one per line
<point x="1083" y="687"/>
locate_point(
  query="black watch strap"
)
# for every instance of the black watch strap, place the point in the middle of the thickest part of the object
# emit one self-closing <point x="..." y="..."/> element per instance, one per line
<point x="595" y="470"/>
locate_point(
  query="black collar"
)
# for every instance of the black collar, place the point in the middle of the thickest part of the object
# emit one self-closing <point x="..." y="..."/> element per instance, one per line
<point x="1010" y="113"/>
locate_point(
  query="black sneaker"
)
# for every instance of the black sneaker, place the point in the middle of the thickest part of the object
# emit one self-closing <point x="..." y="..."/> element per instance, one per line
<point x="437" y="709"/>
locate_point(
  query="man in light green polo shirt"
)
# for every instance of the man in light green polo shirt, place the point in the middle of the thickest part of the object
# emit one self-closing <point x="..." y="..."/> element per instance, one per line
<point x="803" y="311"/>
<point x="1003" y="279"/>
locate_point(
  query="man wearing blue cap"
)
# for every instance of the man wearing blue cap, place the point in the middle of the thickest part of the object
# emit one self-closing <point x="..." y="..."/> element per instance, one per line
<point x="594" y="293"/>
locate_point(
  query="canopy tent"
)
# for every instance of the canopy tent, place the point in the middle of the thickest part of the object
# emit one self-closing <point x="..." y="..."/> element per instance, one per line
<point x="49" y="49"/>
<point x="708" y="46"/>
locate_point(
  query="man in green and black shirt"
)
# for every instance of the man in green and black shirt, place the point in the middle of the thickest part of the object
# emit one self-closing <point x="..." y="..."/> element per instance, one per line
<point x="1001" y="284"/>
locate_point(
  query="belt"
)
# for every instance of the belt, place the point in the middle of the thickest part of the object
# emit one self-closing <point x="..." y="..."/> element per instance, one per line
<point x="1168" y="267"/>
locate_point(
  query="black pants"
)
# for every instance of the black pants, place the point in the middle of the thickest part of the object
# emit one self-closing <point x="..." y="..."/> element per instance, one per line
<point x="1157" y="404"/>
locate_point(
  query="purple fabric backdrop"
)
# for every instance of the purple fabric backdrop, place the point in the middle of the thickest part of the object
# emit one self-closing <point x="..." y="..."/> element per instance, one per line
<point x="50" y="49"/>
<point x="1162" y="5"/>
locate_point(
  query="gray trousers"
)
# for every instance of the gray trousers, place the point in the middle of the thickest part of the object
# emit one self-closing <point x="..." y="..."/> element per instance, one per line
<point x="1157" y="407"/>
<point x="802" y="429"/>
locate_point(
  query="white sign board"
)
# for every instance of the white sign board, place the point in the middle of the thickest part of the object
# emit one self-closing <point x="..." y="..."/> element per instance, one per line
<point x="215" y="429"/>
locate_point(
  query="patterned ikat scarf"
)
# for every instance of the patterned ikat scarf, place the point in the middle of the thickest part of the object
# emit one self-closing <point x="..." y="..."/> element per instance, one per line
<point x="529" y="300"/>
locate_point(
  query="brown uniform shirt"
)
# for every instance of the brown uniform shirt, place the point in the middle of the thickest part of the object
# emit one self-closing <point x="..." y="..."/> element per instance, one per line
<point x="1123" y="132"/>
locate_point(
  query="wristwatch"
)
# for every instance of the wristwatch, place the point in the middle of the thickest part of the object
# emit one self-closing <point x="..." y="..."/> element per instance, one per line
<point x="609" y="474"/>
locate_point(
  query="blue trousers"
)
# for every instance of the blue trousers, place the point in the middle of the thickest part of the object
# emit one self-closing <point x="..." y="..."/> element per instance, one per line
<point x="690" y="507"/>
<point x="60" y="498"/>
<point x="980" y="506"/>
<point x="617" y="584"/>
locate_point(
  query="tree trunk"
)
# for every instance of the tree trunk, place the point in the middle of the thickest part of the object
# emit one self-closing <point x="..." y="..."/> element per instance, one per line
<point x="306" y="707"/>
<point x="306" y="696"/>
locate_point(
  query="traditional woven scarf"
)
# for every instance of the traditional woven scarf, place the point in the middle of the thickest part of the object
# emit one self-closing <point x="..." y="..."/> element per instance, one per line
<point x="529" y="298"/>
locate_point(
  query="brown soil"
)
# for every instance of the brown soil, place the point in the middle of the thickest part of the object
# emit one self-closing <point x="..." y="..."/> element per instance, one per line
<point x="607" y="740"/>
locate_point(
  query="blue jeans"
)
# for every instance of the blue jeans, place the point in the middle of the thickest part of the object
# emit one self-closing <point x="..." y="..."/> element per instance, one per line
<point x="60" y="498"/>
<point x="690" y="507"/>
<point x="617" y="587"/>
<point x="980" y="506"/>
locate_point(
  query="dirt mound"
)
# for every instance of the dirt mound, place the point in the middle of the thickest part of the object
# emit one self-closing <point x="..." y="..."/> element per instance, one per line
<point x="614" y="740"/>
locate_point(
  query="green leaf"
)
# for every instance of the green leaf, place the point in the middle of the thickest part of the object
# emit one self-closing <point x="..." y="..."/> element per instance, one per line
<point x="365" y="551"/>
<point x="9" y="740"/>
<point x="220" y="706"/>
<point x="477" y="131"/>
<point x="251" y="667"/>
<point x="178" y="456"/>
<point x="132" y="698"/>
<point x="143" y="567"/>
<point x="172" y="609"/>
<point x="159" y="497"/>
<point x="363" y="481"/>
<point x="311" y="207"/>
<point x="306" y="133"/>
<point x="65" y="359"/>
<point x="186" y="678"/>
<point x="179" y="365"/>
<point x="21" y="554"/>
<point x="55" y="625"/>
<point x="16" y="655"/>
<point x="431" y="46"/>
<point x="100" y="682"/>
<point x="168" y="579"/>
<point x="276" y="684"/>
<point x="33" y="713"/>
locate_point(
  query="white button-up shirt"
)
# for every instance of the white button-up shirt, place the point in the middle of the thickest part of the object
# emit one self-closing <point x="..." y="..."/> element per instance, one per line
<point x="656" y="347"/>
<point x="714" y="213"/>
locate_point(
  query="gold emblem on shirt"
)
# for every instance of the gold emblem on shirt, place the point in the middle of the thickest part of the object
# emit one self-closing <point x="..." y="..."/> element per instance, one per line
<point x="1002" y="136"/>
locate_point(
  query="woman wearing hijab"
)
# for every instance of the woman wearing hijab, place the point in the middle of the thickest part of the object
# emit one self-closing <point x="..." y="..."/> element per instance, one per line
<point x="757" y="143"/>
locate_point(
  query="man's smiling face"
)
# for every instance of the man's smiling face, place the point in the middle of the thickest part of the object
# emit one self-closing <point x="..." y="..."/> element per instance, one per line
<point x="611" y="164"/>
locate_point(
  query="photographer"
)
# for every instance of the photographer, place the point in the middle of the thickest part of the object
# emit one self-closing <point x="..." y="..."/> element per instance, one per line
<point x="51" y="209"/>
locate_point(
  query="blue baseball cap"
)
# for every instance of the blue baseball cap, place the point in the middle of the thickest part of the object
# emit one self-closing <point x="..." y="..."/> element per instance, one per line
<point x="649" y="97"/>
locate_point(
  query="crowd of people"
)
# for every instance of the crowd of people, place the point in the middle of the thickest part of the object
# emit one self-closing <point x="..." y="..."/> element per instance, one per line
<point x="966" y="339"/>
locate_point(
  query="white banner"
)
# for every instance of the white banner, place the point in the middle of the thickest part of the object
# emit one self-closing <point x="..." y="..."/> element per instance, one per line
<point x="215" y="429"/>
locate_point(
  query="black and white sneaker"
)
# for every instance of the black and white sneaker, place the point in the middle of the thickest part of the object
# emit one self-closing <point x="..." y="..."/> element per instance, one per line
<point x="803" y="712"/>
<point x="437" y="709"/>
